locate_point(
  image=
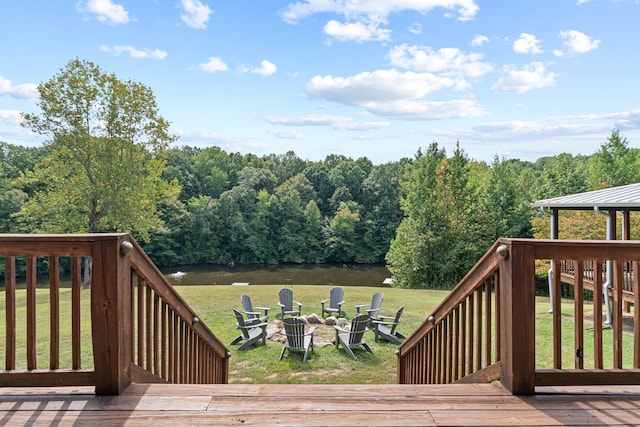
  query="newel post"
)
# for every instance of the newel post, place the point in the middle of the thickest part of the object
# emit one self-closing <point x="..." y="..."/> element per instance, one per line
<point x="517" y="320"/>
<point x="111" y="313"/>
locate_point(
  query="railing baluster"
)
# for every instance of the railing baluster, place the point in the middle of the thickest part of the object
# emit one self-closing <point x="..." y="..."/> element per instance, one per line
<point x="456" y="343"/>
<point x="636" y="316"/>
<point x="598" y="362"/>
<point x="578" y="304"/>
<point x="463" y="338"/>
<point x="163" y="342"/>
<point x="557" y="317"/>
<point x="141" y="326"/>
<point x="76" y="284"/>
<point x="31" y="313"/>
<point x="148" y="323"/>
<point x="498" y="331"/>
<point x="10" y="301"/>
<point x="478" y="323"/>
<point x="471" y="329"/>
<point x="54" y="313"/>
<point x="617" y="314"/>
<point x="488" y="320"/>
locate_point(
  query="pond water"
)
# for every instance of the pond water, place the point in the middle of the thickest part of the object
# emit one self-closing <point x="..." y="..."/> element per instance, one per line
<point x="311" y="274"/>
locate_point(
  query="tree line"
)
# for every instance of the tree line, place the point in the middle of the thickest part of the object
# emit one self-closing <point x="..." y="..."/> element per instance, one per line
<point x="428" y="218"/>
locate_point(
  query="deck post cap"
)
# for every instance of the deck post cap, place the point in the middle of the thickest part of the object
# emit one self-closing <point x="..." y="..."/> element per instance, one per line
<point x="126" y="248"/>
<point x="503" y="252"/>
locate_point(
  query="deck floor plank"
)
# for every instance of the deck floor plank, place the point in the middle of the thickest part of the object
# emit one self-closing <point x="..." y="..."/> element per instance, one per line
<point x="320" y="405"/>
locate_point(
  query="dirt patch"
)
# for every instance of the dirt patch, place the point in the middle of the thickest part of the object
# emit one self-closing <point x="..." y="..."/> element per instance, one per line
<point x="323" y="336"/>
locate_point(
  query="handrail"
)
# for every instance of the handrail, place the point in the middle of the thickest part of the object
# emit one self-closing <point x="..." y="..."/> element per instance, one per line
<point x="446" y="347"/>
<point x="452" y="336"/>
<point x="141" y="329"/>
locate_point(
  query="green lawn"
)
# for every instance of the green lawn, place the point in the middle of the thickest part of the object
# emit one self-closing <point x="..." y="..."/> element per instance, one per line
<point x="261" y="364"/>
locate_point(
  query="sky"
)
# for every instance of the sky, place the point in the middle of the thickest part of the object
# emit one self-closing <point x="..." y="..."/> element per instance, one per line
<point x="380" y="79"/>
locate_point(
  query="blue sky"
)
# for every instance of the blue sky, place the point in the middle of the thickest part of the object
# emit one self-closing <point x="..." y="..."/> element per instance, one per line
<point x="362" y="78"/>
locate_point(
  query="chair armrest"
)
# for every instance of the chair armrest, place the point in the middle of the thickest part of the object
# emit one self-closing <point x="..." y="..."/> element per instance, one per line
<point x="323" y="301"/>
<point x="281" y="305"/>
<point x="256" y="313"/>
<point x="339" y="329"/>
<point x="311" y="330"/>
<point x="254" y="325"/>
<point x="263" y="308"/>
<point x="383" y="322"/>
<point x="358" y="307"/>
<point x="298" y="303"/>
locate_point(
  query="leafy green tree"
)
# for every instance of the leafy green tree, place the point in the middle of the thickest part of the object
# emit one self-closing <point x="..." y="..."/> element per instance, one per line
<point x="103" y="171"/>
<point x="260" y="240"/>
<point x="416" y="253"/>
<point x="562" y="177"/>
<point x="341" y="244"/>
<point x="318" y="175"/>
<point x="258" y="179"/>
<point x="313" y="249"/>
<point x="212" y="168"/>
<point x="299" y="183"/>
<point x="288" y="224"/>
<point x="615" y="164"/>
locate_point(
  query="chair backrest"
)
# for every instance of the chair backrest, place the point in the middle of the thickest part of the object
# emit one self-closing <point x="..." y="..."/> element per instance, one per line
<point x="358" y="328"/>
<point x="336" y="296"/>
<point x="376" y="303"/>
<point x="247" y="306"/>
<point x="286" y="298"/>
<point x="294" y="329"/>
<point x="397" y="319"/>
<point x="241" y="323"/>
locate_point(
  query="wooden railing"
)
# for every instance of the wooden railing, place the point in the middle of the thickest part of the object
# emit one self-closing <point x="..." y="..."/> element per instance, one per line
<point x="129" y="317"/>
<point x="568" y="275"/>
<point x="488" y="328"/>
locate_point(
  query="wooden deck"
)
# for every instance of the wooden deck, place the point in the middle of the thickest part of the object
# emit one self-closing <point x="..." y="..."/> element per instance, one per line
<point x="320" y="405"/>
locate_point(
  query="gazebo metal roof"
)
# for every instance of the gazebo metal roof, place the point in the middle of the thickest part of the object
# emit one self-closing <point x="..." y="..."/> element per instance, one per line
<point x="623" y="198"/>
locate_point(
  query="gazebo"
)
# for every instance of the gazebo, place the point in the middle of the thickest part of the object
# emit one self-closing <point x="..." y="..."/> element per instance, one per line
<point x="609" y="202"/>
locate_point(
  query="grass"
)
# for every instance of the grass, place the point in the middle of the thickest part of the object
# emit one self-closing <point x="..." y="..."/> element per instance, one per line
<point x="326" y="365"/>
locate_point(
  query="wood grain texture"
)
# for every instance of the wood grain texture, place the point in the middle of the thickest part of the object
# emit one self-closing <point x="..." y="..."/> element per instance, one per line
<point x="320" y="405"/>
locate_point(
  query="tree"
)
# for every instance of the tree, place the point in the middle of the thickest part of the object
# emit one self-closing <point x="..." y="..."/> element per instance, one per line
<point x="615" y="164"/>
<point x="103" y="171"/>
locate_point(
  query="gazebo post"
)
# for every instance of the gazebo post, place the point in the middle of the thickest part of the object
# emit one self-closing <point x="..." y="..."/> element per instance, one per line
<point x="554" y="235"/>
<point x="611" y="235"/>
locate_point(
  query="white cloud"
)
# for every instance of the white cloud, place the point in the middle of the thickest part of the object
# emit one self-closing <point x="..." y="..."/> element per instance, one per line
<point x="287" y="134"/>
<point x="377" y="86"/>
<point x="27" y="91"/>
<point x="479" y="40"/>
<point x="529" y="77"/>
<point x="11" y="117"/>
<point x="466" y="9"/>
<point x="134" y="52"/>
<point x="335" y="122"/>
<point x="106" y="11"/>
<point x="195" y="13"/>
<point x="527" y="43"/>
<point x="214" y="65"/>
<point x="266" y="68"/>
<point x="578" y="42"/>
<point x="356" y="31"/>
<point x="364" y="19"/>
<point x="415" y="28"/>
<point x="432" y="110"/>
<point x="448" y="61"/>
<point x="395" y="94"/>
